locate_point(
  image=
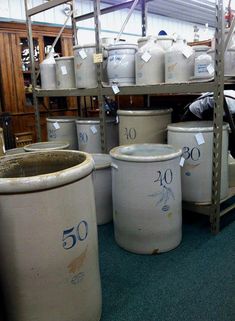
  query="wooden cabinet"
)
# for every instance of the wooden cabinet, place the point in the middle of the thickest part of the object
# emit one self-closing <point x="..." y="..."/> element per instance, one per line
<point x="15" y="75"/>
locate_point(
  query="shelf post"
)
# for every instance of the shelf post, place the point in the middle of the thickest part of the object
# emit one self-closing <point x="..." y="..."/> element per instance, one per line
<point x="33" y="73"/>
<point x="99" y="66"/>
<point x="217" y="118"/>
<point x="144" y="17"/>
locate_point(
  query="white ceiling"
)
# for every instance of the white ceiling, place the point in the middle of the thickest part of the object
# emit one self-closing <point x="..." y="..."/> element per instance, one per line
<point x="195" y="11"/>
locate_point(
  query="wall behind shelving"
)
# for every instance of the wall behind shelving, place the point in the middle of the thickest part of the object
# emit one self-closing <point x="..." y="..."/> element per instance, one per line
<point x="13" y="10"/>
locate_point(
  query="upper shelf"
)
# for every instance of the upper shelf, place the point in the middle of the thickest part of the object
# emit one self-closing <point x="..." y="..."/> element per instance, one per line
<point x="190" y="87"/>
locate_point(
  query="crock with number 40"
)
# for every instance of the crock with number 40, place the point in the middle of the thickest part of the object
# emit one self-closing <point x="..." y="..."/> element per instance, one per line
<point x="146" y="187"/>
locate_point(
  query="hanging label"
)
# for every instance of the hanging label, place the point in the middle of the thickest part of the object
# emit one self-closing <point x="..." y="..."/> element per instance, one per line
<point x="64" y="70"/>
<point x="187" y="51"/>
<point x="114" y="166"/>
<point x="117" y="119"/>
<point x="200" y="139"/>
<point x="115" y="88"/>
<point x="93" y="129"/>
<point x="98" y="58"/>
<point x="82" y="54"/>
<point x="56" y="125"/>
<point x="182" y="160"/>
<point x="146" y="56"/>
<point x="210" y="69"/>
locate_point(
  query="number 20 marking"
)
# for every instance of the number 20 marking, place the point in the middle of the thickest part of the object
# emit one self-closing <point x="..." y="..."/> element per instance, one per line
<point x="166" y="178"/>
<point x="71" y="237"/>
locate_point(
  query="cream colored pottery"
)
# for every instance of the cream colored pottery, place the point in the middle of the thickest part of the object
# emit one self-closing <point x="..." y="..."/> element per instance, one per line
<point x="49" y="249"/>
<point x="65" y="76"/>
<point x="46" y="146"/>
<point x="62" y="128"/>
<point x="197" y="169"/>
<point x="179" y="67"/>
<point x="231" y="170"/>
<point x="14" y="151"/>
<point x="85" y="69"/>
<point x="121" y="64"/>
<point x="149" y="64"/>
<point x="88" y="133"/>
<point x="102" y="181"/>
<point x="146" y="187"/>
<point x="143" y="126"/>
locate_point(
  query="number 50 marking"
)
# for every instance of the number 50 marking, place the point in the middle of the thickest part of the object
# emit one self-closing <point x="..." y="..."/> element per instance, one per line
<point x="75" y="234"/>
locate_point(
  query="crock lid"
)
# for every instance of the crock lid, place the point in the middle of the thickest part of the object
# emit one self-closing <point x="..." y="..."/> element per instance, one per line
<point x="145" y="153"/>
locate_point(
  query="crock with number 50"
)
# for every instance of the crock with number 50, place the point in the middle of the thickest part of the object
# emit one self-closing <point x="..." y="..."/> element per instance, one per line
<point x="48" y="237"/>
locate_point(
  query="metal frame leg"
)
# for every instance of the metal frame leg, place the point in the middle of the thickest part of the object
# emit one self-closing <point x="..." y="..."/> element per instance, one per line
<point x="218" y="119"/>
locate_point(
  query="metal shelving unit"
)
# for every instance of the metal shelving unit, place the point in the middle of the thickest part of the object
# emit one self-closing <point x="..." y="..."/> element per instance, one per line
<point x="216" y="86"/>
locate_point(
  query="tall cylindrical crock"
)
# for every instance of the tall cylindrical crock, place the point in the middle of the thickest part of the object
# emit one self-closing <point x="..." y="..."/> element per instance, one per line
<point x="48" y="235"/>
<point x="196" y="141"/>
<point x="62" y="128"/>
<point x="88" y="133"/>
<point x="143" y="126"/>
<point x="146" y="187"/>
<point x="102" y="181"/>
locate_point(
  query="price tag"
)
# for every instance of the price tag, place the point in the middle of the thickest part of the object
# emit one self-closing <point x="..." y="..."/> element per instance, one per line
<point x="56" y="125"/>
<point x="117" y="120"/>
<point x="187" y="52"/>
<point x="115" y="88"/>
<point x="182" y="160"/>
<point x="97" y="58"/>
<point x="82" y="54"/>
<point x="200" y="139"/>
<point x="210" y="69"/>
<point x="146" y="56"/>
<point x="93" y="129"/>
<point x="114" y="166"/>
<point x="64" y="70"/>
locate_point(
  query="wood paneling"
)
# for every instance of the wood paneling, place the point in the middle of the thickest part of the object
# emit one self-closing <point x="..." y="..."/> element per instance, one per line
<point x="12" y="79"/>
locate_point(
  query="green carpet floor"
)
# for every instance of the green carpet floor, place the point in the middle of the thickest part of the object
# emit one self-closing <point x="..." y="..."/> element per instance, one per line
<point x="195" y="282"/>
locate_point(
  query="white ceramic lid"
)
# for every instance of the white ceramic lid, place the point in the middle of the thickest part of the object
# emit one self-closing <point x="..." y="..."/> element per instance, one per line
<point x="145" y="153"/>
<point x="64" y="58"/>
<point x="194" y="126"/>
<point x="54" y="145"/>
<point x="144" y="112"/>
<point x="123" y="46"/>
<point x="61" y="119"/>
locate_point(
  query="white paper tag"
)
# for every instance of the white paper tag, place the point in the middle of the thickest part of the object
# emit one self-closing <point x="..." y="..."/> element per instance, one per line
<point x="93" y="129"/>
<point x="200" y="139"/>
<point x="146" y="56"/>
<point x="210" y="69"/>
<point x="64" y="70"/>
<point x="187" y="52"/>
<point x="115" y="88"/>
<point x="98" y="58"/>
<point x="56" y="125"/>
<point x="114" y="166"/>
<point x="117" y="119"/>
<point x="182" y="160"/>
<point x="82" y="54"/>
